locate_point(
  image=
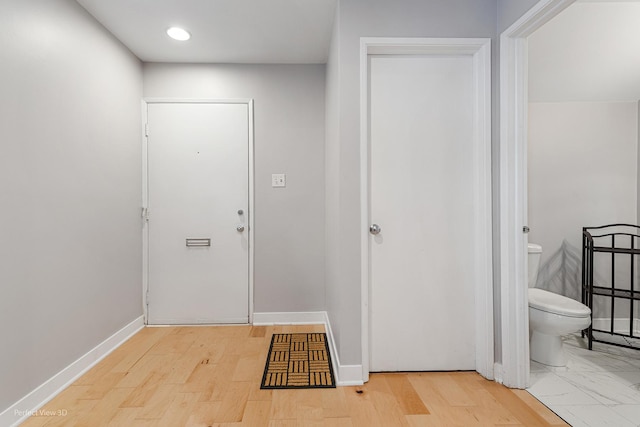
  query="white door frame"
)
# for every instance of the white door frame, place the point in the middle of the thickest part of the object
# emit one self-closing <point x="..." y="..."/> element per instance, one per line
<point x="145" y="190"/>
<point x="514" y="304"/>
<point x="480" y="50"/>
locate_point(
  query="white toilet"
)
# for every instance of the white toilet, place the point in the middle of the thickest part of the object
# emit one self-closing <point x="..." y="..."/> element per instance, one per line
<point x="550" y="317"/>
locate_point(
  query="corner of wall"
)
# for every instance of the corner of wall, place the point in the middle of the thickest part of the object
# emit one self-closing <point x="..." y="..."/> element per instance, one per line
<point x="346" y="375"/>
<point x="332" y="173"/>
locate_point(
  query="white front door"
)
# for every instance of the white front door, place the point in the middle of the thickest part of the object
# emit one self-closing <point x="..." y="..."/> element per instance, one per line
<point x="198" y="189"/>
<point x="423" y="260"/>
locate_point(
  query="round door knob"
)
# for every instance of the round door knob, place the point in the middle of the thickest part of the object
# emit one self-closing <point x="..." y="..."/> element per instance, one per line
<point x="240" y="228"/>
<point x="375" y="229"/>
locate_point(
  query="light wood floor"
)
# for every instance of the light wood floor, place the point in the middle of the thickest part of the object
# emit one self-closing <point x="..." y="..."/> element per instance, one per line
<point x="210" y="376"/>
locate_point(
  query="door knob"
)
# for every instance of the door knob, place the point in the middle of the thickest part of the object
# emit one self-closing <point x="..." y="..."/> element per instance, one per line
<point x="240" y="228"/>
<point x="375" y="229"/>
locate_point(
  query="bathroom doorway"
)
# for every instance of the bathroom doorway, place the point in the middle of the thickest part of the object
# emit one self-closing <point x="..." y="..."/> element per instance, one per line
<point x="581" y="170"/>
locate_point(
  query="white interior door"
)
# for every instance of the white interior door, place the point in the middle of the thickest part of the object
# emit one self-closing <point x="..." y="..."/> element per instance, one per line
<point x="422" y="179"/>
<point x="198" y="189"/>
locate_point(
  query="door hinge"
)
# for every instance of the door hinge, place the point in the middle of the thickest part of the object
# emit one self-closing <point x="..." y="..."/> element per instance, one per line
<point x="145" y="214"/>
<point x="146" y="129"/>
<point x="147" y="298"/>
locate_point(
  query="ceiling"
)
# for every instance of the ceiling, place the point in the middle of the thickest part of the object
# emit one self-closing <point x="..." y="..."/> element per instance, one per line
<point x="223" y="31"/>
<point x="590" y="53"/>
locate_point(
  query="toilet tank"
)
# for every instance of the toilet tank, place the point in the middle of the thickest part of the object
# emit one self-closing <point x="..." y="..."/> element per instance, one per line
<point x="533" y="257"/>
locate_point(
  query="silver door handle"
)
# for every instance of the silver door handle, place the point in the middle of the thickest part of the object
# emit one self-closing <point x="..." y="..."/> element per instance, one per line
<point x="240" y="228"/>
<point x="375" y="229"/>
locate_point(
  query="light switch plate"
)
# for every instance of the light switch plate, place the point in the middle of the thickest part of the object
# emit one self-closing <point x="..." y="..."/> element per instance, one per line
<point x="278" y="180"/>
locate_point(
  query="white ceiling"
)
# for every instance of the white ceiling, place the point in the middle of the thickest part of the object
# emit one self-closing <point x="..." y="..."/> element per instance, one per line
<point x="590" y="52"/>
<point x="224" y="31"/>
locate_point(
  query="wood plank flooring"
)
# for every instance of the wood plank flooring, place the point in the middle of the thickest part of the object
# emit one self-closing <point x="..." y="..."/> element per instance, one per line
<point x="210" y="376"/>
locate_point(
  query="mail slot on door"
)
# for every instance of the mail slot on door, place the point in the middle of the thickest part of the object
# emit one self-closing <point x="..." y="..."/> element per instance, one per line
<point x="198" y="242"/>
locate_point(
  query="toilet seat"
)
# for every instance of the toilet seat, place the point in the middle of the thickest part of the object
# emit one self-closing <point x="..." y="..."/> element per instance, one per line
<point x="556" y="304"/>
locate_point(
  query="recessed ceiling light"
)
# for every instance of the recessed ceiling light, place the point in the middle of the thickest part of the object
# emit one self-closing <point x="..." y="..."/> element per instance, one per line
<point x="178" y="33"/>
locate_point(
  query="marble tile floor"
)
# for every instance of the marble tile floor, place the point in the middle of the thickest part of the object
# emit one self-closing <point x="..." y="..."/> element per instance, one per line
<point x="597" y="388"/>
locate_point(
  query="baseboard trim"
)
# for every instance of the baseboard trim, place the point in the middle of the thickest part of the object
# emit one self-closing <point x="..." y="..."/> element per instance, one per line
<point x="29" y="405"/>
<point x="289" y="318"/>
<point x="620" y="325"/>
<point x="350" y="375"/>
<point x="346" y="375"/>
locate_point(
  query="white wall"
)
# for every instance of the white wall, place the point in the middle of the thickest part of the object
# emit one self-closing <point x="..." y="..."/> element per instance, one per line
<point x="582" y="172"/>
<point x="367" y="18"/>
<point x="70" y="189"/>
<point x="603" y="38"/>
<point x="289" y="138"/>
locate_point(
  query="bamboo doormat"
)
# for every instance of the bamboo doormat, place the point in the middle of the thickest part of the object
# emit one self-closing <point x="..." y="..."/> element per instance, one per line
<point x="298" y="361"/>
